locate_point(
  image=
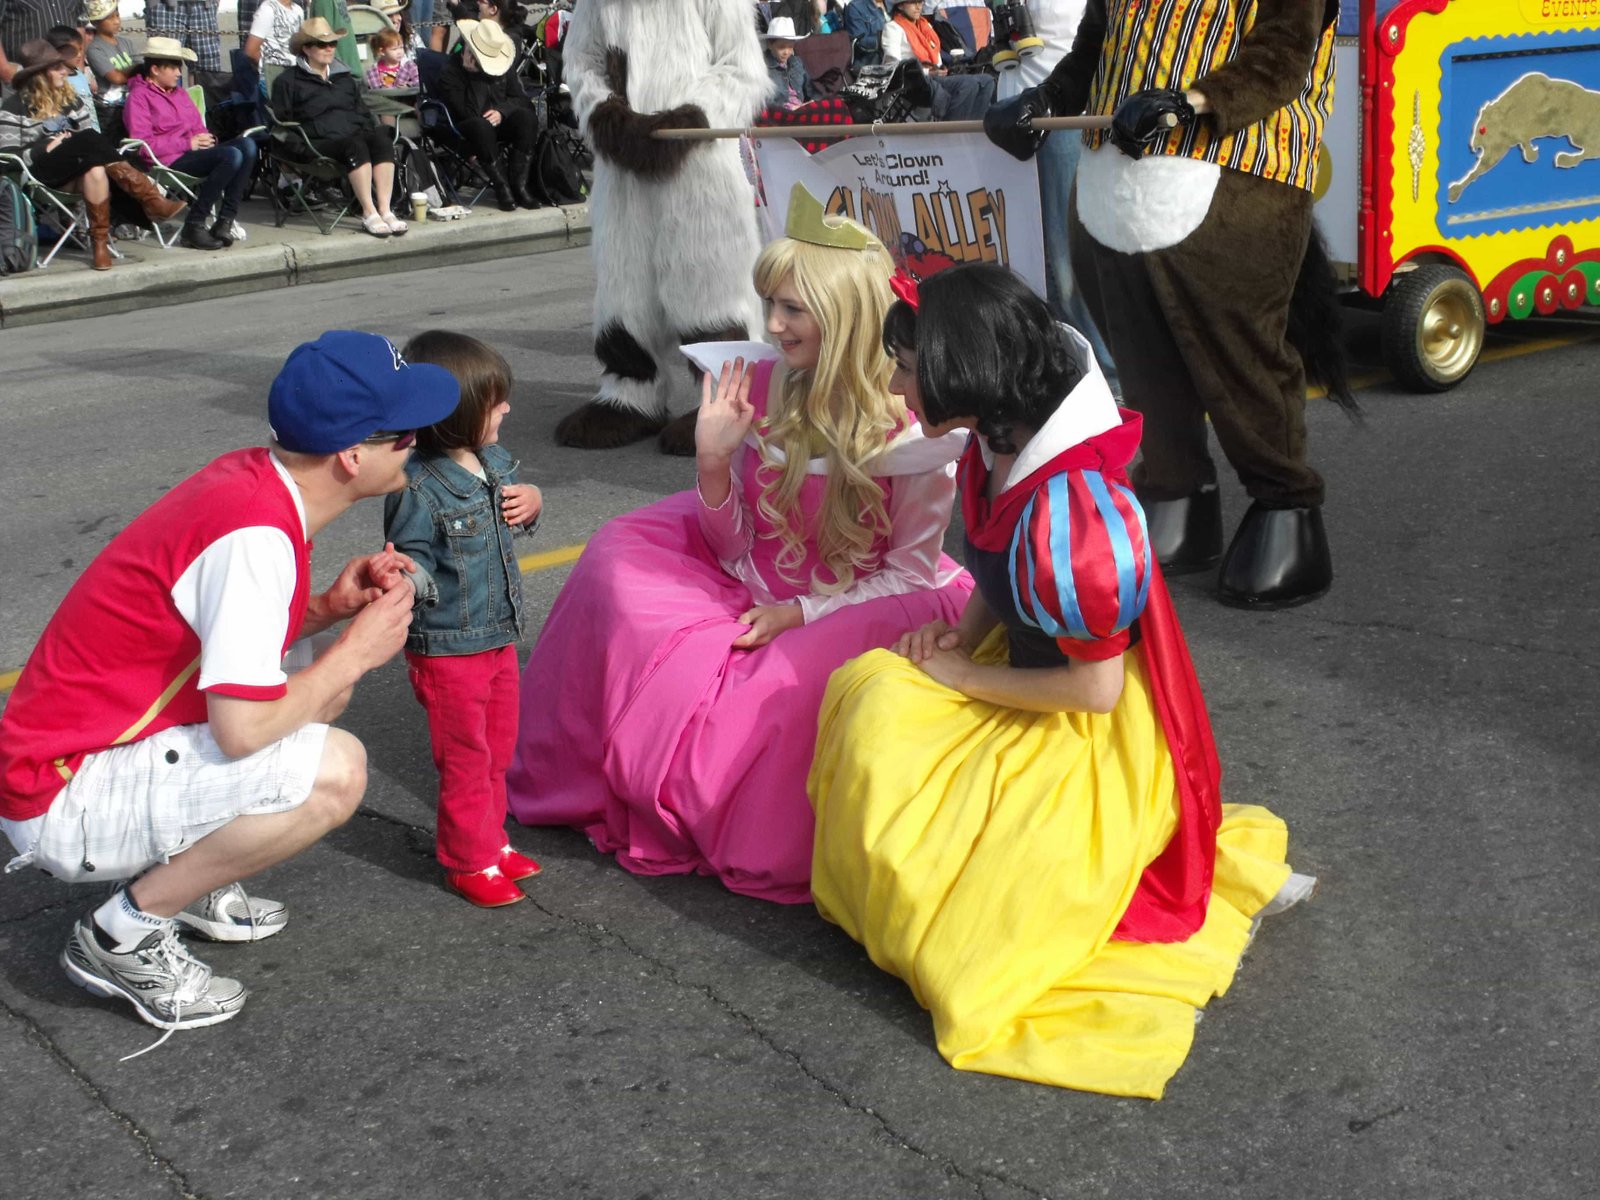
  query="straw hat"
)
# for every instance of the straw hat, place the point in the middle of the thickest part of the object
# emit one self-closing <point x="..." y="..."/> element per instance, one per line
<point x="99" y="10"/>
<point x="782" y="28"/>
<point x="494" y="51"/>
<point x="165" y="49"/>
<point x="35" y="56"/>
<point x="315" y="32"/>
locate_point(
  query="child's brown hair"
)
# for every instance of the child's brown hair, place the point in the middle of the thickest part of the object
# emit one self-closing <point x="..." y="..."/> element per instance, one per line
<point x="382" y="40"/>
<point x="485" y="379"/>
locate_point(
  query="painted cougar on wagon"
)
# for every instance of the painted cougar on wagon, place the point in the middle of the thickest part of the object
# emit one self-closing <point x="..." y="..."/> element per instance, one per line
<point x="1535" y="106"/>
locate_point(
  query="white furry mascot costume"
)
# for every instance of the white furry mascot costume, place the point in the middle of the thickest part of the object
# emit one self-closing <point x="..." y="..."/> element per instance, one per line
<point x="674" y="222"/>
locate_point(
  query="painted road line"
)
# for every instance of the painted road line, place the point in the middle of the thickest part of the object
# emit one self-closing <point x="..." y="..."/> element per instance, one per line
<point x="559" y="557"/>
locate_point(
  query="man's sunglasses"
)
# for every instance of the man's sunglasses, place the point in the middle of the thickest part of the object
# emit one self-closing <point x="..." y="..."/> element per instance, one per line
<point x="402" y="441"/>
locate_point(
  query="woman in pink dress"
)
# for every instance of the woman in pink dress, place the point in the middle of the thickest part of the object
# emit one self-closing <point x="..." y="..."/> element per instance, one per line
<point x="669" y="709"/>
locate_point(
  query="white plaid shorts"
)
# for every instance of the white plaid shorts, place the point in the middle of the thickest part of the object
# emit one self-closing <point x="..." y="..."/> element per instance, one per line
<point x="132" y="806"/>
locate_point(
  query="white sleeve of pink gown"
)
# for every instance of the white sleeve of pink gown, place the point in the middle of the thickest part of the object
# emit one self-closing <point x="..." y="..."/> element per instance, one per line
<point x="919" y="514"/>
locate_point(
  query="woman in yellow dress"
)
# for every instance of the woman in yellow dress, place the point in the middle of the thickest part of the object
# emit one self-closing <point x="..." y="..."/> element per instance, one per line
<point x="1020" y="816"/>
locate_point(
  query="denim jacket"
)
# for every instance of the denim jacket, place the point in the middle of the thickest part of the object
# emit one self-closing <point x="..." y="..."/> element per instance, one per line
<point x="469" y="588"/>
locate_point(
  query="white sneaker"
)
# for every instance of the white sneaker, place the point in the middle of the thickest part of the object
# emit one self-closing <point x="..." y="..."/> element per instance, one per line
<point x="229" y="915"/>
<point x="166" y="985"/>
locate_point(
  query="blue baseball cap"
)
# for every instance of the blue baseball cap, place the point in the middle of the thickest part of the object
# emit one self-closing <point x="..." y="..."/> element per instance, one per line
<point x="346" y="386"/>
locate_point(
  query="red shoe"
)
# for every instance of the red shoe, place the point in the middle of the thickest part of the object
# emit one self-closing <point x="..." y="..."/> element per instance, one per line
<point x="517" y="866"/>
<point x="488" y="888"/>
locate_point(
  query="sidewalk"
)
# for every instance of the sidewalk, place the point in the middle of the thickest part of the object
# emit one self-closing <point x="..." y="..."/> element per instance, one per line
<point x="275" y="258"/>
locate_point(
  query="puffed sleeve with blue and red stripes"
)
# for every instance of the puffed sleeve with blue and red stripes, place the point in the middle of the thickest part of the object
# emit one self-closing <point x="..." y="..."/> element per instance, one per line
<point x="1080" y="563"/>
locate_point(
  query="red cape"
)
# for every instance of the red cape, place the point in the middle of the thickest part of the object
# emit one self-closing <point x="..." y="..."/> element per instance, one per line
<point x="1170" y="903"/>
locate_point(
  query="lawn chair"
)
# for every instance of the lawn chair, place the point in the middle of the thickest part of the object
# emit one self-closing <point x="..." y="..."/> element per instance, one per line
<point x="449" y="149"/>
<point x="296" y="163"/>
<point x="185" y="185"/>
<point x="975" y="25"/>
<point x="365" y="20"/>
<point x="292" y="163"/>
<point x="60" y="210"/>
<point x="827" y="59"/>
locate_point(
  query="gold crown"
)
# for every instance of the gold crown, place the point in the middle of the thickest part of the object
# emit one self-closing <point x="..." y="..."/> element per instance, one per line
<point x="809" y="223"/>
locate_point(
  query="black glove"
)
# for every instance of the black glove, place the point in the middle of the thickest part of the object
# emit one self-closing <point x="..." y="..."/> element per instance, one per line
<point x="1145" y="118"/>
<point x="1009" y="124"/>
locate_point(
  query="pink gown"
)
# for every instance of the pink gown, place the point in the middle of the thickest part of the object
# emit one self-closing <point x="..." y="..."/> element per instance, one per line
<point x="644" y="728"/>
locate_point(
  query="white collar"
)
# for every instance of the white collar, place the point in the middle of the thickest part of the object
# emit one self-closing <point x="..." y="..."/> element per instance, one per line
<point x="1087" y="411"/>
<point x="294" y="493"/>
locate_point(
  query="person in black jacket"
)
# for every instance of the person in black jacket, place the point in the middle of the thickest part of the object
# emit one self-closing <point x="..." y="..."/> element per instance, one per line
<point x="322" y="94"/>
<point x="490" y="110"/>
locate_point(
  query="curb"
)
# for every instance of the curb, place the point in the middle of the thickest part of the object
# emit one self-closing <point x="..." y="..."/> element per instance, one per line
<point x="180" y="276"/>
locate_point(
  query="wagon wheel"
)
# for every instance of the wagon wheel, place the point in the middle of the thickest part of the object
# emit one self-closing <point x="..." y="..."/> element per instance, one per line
<point x="1433" y="327"/>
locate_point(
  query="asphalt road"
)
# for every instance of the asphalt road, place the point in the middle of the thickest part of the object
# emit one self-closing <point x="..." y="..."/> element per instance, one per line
<point x="1427" y="1027"/>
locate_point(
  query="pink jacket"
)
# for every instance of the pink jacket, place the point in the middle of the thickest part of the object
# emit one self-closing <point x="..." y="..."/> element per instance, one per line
<point x="166" y="121"/>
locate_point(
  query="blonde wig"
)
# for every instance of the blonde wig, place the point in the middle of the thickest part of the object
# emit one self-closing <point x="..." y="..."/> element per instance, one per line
<point x="840" y="410"/>
<point x="45" y="101"/>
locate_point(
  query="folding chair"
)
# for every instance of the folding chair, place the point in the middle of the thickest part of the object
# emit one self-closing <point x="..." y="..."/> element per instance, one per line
<point x="365" y="20"/>
<point x="296" y="162"/>
<point x="827" y="59"/>
<point x="439" y="132"/>
<point x="186" y="185"/>
<point x="60" y="210"/>
<point x="974" y="24"/>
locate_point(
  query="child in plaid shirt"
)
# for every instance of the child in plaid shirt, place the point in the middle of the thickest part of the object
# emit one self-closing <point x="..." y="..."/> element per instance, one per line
<point x="391" y="66"/>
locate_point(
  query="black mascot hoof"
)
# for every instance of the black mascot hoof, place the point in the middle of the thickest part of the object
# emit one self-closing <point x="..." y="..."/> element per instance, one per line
<point x="678" y="437"/>
<point x="1279" y="558"/>
<point x="601" y="426"/>
<point x="1186" y="533"/>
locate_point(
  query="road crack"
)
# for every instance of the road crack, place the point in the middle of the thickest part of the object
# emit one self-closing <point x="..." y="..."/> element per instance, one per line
<point x="160" y="1163"/>
<point x="606" y="938"/>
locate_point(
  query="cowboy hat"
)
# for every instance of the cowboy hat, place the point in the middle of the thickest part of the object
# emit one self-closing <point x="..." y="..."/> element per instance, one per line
<point x="494" y="51"/>
<point x="98" y="10"/>
<point x="782" y="29"/>
<point x="165" y="49"/>
<point x="315" y="32"/>
<point x="36" y="56"/>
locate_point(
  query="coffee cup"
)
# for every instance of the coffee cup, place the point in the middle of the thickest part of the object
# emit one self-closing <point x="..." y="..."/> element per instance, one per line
<point x="419" y="206"/>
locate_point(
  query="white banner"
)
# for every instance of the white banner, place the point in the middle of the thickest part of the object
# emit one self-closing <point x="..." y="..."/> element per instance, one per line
<point x="933" y="201"/>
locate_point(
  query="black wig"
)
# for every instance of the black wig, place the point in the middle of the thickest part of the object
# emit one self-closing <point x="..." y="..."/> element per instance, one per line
<point x="987" y="349"/>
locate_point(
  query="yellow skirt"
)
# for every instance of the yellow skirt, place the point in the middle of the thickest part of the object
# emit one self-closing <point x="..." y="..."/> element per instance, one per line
<point x="985" y="855"/>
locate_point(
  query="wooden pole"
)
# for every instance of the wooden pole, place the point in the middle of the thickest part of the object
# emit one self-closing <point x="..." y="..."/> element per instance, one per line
<point x="818" y="133"/>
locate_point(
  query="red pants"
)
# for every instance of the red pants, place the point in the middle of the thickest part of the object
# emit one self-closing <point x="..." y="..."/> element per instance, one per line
<point x="471" y="702"/>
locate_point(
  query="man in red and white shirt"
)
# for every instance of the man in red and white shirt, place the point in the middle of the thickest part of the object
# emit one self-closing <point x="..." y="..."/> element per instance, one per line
<point x="155" y="731"/>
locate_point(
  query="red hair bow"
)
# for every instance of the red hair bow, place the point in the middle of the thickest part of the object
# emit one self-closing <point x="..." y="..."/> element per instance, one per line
<point x="903" y="285"/>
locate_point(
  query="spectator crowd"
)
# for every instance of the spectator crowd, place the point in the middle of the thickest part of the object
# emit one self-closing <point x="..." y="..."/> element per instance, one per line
<point x="177" y="124"/>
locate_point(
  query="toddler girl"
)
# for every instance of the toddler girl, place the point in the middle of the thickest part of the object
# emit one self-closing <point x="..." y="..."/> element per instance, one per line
<point x="455" y="519"/>
<point x="391" y="66"/>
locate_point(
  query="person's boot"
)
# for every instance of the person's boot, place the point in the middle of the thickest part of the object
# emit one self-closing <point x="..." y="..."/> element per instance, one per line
<point x="222" y="230"/>
<point x="139" y="185"/>
<point x="502" y="189"/>
<point x="1278" y="558"/>
<point x="1185" y="534"/>
<point x="196" y="236"/>
<point x="519" y="164"/>
<point x="100" y="232"/>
